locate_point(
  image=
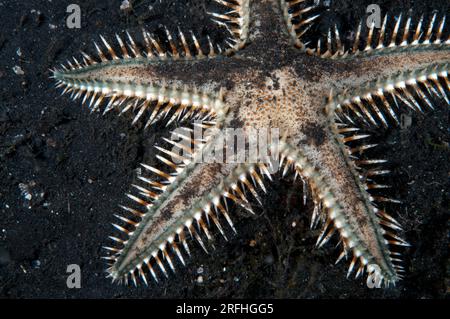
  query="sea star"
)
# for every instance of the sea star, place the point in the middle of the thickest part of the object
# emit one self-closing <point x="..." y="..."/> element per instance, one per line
<point x="260" y="79"/>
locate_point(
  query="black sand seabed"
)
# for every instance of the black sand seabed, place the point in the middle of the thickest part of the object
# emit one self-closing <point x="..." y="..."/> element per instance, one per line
<point x="78" y="166"/>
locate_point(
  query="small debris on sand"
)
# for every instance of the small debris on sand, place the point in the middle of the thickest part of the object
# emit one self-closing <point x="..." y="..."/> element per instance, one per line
<point x="18" y="70"/>
<point x="125" y="6"/>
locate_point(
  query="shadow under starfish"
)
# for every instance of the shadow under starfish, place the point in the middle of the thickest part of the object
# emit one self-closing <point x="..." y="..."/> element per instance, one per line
<point x="261" y="79"/>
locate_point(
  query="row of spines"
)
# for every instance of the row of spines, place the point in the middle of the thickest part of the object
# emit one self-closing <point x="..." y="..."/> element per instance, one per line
<point x="394" y="33"/>
<point x="171" y="46"/>
<point x="236" y="20"/>
<point x="157" y="100"/>
<point x="381" y="102"/>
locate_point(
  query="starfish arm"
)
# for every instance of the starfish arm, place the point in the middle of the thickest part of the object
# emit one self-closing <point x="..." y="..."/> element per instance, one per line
<point x="189" y="203"/>
<point x="373" y="86"/>
<point x="131" y="81"/>
<point x="343" y="204"/>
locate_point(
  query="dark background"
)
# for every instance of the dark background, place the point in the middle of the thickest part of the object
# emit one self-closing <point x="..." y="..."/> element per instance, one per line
<point x="77" y="167"/>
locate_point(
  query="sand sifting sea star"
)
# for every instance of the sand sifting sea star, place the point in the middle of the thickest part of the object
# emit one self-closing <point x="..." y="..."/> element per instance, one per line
<point x="265" y="76"/>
